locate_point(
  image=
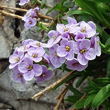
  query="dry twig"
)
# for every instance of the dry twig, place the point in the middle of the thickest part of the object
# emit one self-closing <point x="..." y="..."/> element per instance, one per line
<point x="49" y="88"/>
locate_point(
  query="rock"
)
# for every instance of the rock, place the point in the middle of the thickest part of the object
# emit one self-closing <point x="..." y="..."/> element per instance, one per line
<point x="5" y="106"/>
<point x="3" y="65"/>
<point x="4" y="48"/>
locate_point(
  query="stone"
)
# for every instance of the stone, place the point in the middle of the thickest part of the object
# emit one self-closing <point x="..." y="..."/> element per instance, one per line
<point x="3" y="65"/>
<point x="4" y="48"/>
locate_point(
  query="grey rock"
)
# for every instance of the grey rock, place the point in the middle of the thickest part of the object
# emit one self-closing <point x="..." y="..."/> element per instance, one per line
<point x="4" y="48"/>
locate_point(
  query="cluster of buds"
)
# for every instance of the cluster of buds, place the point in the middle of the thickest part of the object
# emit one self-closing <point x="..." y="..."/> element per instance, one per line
<point x="73" y="44"/>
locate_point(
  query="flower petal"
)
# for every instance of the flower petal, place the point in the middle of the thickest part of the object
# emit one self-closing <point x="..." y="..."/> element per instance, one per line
<point x="82" y="60"/>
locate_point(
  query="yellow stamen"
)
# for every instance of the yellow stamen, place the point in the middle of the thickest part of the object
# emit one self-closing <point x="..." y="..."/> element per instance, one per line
<point x="83" y="30"/>
<point x="38" y="44"/>
<point x="54" y="37"/>
<point x="34" y="55"/>
<point x="17" y="59"/>
<point x="20" y="76"/>
<point x="43" y="75"/>
<point x="56" y="55"/>
<point x="29" y="67"/>
<point x="65" y="29"/>
<point x="30" y="22"/>
<point x="83" y="51"/>
<point x="67" y="48"/>
<point x="75" y="64"/>
<point x="25" y="48"/>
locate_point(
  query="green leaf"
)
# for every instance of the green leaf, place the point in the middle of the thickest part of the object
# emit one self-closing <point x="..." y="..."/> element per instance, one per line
<point x="73" y="99"/>
<point x="80" y="103"/>
<point x="43" y="3"/>
<point x="89" y="100"/>
<point x="75" y="91"/>
<point x="96" y="11"/>
<point x="107" y="44"/>
<point x="104" y="1"/>
<point x="58" y="7"/>
<point x="101" y="96"/>
<point x="68" y="4"/>
<point x="95" y="86"/>
<point x="72" y="12"/>
<point x="108" y="67"/>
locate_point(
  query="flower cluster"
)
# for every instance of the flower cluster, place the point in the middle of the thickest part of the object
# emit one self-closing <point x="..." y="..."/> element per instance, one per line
<point x="31" y="17"/>
<point x="22" y="2"/>
<point x="73" y="44"/>
<point x="26" y="60"/>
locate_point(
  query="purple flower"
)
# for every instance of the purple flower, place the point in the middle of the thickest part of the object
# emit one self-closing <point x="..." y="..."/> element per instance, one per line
<point x="24" y="48"/>
<point x="18" y="76"/>
<point x="71" y="21"/>
<point x="30" y="22"/>
<point x="79" y="37"/>
<point x="88" y="29"/>
<point x="85" y="52"/>
<point x="66" y="49"/>
<point x="75" y="65"/>
<point x="46" y="75"/>
<point x="54" y="38"/>
<point x="54" y="58"/>
<point x="46" y="59"/>
<point x="36" y="54"/>
<point x="62" y="29"/>
<point x="16" y="59"/>
<point x="38" y="44"/>
<point x="36" y="9"/>
<point x="29" y="69"/>
<point x="95" y="44"/>
<point x="22" y="2"/>
<point x="26" y="42"/>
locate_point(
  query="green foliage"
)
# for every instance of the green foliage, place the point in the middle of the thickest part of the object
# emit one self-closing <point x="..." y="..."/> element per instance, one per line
<point x="101" y="96"/>
<point x="43" y="3"/>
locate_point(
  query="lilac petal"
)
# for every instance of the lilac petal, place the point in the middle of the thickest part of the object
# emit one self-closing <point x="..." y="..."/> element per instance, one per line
<point x="56" y="62"/>
<point x="40" y="51"/>
<point x="22" y="81"/>
<point x="23" y="67"/>
<point x="48" y="75"/>
<point x="29" y="75"/>
<point x="57" y="39"/>
<point x="37" y="69"/>
<point x="92" y="25"/>
<point x="59" y="28"/>
<point x="98" y="50"/>
<point x="90" y="33"/>
<point x="82" y="67"/>
<point x="38" y="59"/>
<point x="52" y="33"/>
<point x="62" y="59"/>
<point x="71" y="20"/>
<point x="70" y="55"/>
<point x="44" y="69"/>
<point x="12" y="58"/>
<point x="40" y="79"/>
<point x="61" y="51"/>
<point x="11" y="66"/>
<point x="64" y="42"/>
<point x="90" y="54"/>
<point x="85" y="44"/>
<point x="82" y="60"/>
<point x="28" y="61"/>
